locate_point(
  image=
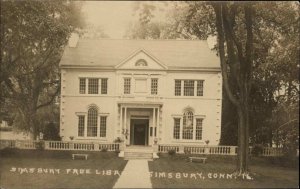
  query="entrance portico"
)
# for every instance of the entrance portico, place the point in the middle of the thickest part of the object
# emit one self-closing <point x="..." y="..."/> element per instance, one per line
<point x="139" y="122"/>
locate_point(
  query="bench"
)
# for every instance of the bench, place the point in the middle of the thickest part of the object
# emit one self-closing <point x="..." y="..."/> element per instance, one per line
<point x="197" y="158"/>
<point x="80" y="155"/>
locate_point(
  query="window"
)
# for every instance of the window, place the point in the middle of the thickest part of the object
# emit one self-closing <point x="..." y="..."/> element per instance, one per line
<point x="187" y="129"/>
<point x="81" y="126"/>
<point x="102" y="126"/>
<point x="200" y="88"/>
<point x="199" y="129"/>
<point x="93" y="86"/>
<point x="176" y="131"/>
<point x="82" y="85"/>
<point x="104" y="86"/>
<point x="141" y="62"/>
<point x="177" y="87"/>
<point x="190" y="128"/>
<point x="188" y="88"/>
<point x="127" y="85"/>
<point x="154" y="85"/>
<point x="92" y="122"/>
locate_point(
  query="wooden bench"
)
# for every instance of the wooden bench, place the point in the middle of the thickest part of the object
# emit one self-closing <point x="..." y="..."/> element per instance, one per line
<point x="80" y="155"/>
<point x="197" y="158"/>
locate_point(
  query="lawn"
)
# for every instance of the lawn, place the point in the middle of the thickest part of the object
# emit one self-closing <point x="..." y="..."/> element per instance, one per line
<point x="56" y="169"/>
<point x="167" y="172"/>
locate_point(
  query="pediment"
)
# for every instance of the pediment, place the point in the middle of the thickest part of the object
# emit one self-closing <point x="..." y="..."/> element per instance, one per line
<point x="141" y="60"/>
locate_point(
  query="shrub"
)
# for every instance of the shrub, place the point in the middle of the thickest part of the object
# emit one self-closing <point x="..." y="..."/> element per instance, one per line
<point x="257" y="150"/>
<point x="118" y="140"/>
<point x="172" y="152"/>
<point x="40" y="145"/>
<point x="187" y="152"/>
<point x="117" y="151"/>
<point x="104" y="150"/>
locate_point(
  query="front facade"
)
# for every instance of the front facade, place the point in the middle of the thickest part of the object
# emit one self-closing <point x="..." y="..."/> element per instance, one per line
<point x="141" y="91"/>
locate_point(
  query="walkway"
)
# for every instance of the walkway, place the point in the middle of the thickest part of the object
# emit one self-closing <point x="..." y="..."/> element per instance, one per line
<point x="135" y="175"/>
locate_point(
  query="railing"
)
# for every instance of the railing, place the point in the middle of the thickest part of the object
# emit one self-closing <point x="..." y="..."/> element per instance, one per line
<point x="268" y="151"/>
<point x="59" y="145"/>
<point x="217" y="150"/>
<point x="7" y="144"/>
<point x="88" y="146"/>
<point x="166" y="148"/>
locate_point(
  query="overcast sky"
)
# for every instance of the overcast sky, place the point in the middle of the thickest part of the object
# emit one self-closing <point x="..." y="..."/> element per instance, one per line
<point x="113" y="16"/>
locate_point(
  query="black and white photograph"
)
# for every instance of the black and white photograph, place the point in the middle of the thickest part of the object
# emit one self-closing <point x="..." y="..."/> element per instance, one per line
<point x="149" y="94"/>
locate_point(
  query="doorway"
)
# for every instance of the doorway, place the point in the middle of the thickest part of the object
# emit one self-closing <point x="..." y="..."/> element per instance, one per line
<point x="139" y="131"/>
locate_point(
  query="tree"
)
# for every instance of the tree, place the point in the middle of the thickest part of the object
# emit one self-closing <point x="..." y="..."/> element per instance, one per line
<point x="33" y="35"/>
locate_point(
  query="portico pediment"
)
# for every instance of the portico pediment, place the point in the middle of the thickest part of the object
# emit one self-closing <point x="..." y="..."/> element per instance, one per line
<point x="141" y="60"/>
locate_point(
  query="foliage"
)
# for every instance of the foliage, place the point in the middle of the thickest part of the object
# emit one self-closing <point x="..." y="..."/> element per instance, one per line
<point x="104" y="150"/>
<point x="172" y="152"/>
<point x="118" y="140"/>
<point x="40" y="145"/>
<point x="51" y="131"/>
<point x="257" y="150"/>
<point x="33" y="35"/>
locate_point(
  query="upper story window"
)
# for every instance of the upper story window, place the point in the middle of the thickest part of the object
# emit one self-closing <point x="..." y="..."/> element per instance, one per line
<point x="154" y="86"/>
<point x="104" y="86"/>
<point x="141" y="62"/>
<point x="190" y="87"/>
<point x="92" y="85"/>
<point x="177" y="87"/>
<point x="82" y="85"/>
<point x="127" y="85"/>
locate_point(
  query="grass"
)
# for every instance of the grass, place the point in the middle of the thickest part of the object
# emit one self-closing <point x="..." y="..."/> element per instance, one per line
<point x="266" y="173"/>
<point x="61" y="160"/>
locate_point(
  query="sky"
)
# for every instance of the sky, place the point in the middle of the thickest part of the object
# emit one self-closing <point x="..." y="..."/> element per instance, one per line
<point x="113" y="16"/>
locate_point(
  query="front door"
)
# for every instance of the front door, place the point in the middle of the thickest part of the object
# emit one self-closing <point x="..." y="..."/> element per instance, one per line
<point x="139" y="132"/>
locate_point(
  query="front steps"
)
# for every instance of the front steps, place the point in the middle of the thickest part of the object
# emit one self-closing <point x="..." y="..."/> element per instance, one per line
<point x="139" y="152"/>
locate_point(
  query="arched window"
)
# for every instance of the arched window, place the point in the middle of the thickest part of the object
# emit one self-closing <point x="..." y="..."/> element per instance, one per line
<point x="187" y="129"/>
<point x="141" y="62"/>
<point x="92" y="121"/>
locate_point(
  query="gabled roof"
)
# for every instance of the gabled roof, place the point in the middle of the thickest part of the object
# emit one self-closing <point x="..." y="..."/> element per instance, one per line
<point x="112" y="52"/>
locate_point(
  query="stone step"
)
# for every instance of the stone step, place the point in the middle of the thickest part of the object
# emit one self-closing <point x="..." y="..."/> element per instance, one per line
<point x="138" y="155"/>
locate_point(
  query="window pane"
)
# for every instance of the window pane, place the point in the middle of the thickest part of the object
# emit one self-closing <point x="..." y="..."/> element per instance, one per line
<point x="102" y="126"/>
<point x="154" y="84"/>
<point x="200" y="88"/>
<point x="82" y="85"/>
<point x="92" y="122"/>
<point x="199" y="129"/>
<point x="188" y="88"/>
<point x="103" y="86"/>
<point x="127" y="85"/>
<point x="187" y="129"/>
<point x="81" y="126"/>
<point x="177" y="87"/>
<point x="93" y="86"/>
<point x="176" y="131"/>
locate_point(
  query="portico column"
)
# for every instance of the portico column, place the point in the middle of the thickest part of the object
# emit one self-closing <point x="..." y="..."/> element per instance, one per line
<point x="157" y="124"/>
<point x="121" y="120"/>
<point x="153" y="122"/>
<point x="125" y="122"/>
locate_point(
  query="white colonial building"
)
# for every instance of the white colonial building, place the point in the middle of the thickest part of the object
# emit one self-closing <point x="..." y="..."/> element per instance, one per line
<point x="143" y="91"/>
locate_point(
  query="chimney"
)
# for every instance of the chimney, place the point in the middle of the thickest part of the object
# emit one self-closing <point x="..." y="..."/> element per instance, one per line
<point x="73" y="40"/>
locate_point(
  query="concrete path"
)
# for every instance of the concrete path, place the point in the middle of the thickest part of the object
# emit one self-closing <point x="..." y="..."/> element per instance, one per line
<point x="135" y="175"/>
